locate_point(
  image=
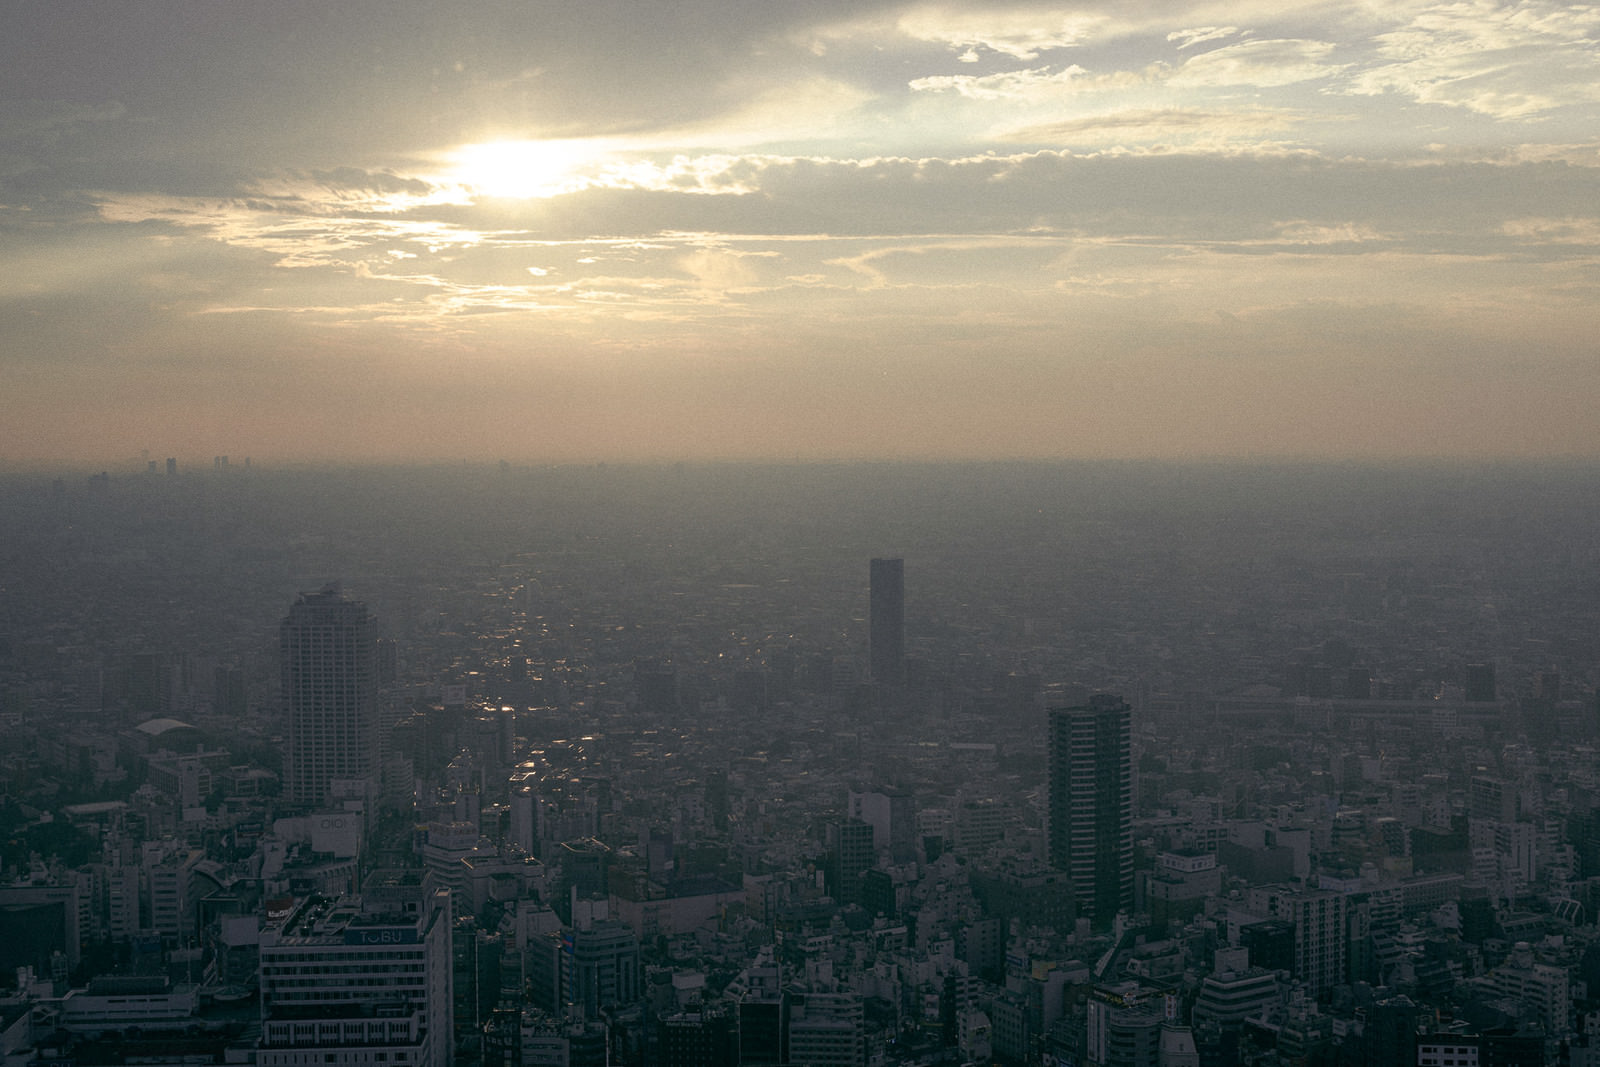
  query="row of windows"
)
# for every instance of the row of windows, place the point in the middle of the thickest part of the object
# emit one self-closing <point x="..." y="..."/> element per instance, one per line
<point x="393" y="965"/>
<point x="321" y="990"/>
<point x="412" y="952"/>
<point x="340" y="1057"/>
<point x="335" y="1031"/>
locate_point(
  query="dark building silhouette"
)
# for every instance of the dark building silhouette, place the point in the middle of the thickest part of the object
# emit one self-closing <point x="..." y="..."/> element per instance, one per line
<point x="584" y="867"/>
<point x="1090" y="830"/>
<point x="330" y="691"/>
<point x="38" y="922"/>
<point x="762" y="1029"/>
<point x="1390" y="1032"/>
<point x="852" y="855"/>
<point x="887" y="622"/>
<point x="878" y="893"/>
<point x="1035" y="898"/>
<point x="1270" y="944"/>
<point x="763" y="1012"/>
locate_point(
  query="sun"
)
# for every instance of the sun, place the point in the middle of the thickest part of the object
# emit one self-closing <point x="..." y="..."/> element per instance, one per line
<point x="522" y="170"/>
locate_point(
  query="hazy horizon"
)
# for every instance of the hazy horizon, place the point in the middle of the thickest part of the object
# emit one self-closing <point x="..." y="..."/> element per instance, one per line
<point x="137" y="467"/>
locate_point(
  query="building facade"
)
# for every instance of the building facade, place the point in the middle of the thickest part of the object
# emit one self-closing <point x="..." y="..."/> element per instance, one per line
<point x="330" y="692"/>
<point x="359" y="980"/>
<point x="1090" y="829"/>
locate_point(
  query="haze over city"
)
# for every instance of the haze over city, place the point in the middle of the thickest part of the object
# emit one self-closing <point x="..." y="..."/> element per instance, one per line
<point x="1098" y="763"/>
<point x="612" y="231"/>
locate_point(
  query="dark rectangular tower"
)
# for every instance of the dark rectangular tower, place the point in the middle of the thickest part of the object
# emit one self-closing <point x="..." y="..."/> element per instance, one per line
<point x="887" y="622"/>
<point x="1090" y="828"/>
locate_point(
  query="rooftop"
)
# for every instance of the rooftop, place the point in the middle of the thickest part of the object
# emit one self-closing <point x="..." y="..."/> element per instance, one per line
<point x="157" y="727"/>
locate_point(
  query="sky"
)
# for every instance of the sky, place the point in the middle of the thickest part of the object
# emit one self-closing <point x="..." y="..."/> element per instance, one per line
<point x="716" y="229"/>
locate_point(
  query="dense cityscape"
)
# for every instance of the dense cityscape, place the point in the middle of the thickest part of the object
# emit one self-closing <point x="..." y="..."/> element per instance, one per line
<point x="1048" y="764"/>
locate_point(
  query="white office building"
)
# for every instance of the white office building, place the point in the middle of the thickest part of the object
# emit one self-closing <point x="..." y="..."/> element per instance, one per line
<point x="359" y="980"/>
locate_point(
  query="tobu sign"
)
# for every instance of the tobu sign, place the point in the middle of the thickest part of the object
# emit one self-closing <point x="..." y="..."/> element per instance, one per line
<point x="380" y="935"/>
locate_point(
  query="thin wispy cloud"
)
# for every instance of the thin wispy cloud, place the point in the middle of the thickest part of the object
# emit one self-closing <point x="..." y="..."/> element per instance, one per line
<point x="1201" y="35"/>
<point x="1258" y="63"/>
<point x="1504" y="61"/>
<point x="1020" y="33"/>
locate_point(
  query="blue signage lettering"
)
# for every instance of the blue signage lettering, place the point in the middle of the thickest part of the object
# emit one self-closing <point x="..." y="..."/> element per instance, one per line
<point x="380" y="935"/>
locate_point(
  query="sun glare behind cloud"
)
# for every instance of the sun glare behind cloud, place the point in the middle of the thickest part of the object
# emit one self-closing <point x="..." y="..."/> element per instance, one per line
<point x="522" y="170"/>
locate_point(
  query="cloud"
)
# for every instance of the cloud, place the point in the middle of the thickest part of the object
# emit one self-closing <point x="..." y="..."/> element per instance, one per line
<point x="1252" y="63"/>
<point x="1021" y="32"/>
<point x="1257" y="63"/>
<point x="1025" y="31"/>
<point x="718" y="269"/>
<point x="1575" y="154"/>
<point x="1214" y="129"/>
<point x="1583" y="231"/>
<point x="710" y="175"/>
<point x="1506" y="62"/>
<point x="797" y="197"/>
<point x="299" y="233"/>
<point x="1190" y="38"/>
<point x="345" y="190"/>
<point x="1006" y="85"/>
<point x="1110" y="226"/>
<point x="1301" y="232"/>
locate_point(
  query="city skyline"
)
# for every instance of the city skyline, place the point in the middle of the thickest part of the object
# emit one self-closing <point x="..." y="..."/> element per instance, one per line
<point x="407" y="231"/>
<point x="641" y="803"/>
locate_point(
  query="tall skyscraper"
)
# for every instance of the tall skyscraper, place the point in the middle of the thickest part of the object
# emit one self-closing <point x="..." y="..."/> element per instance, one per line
<point x="330" y="689"/>
<point x="1091" y="804"/>
<point x="887" y="625"/>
